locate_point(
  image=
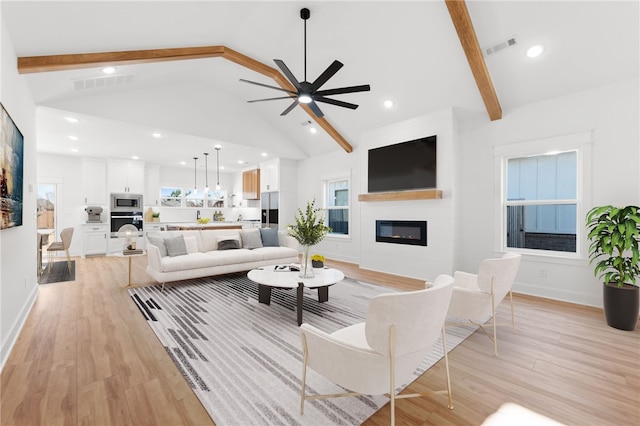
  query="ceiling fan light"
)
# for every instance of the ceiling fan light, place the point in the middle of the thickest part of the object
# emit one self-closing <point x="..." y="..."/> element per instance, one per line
<point x="304" y="98"/>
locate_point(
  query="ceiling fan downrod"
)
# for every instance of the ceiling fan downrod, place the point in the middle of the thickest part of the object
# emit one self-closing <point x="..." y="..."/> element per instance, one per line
<point x="305" y="14"/>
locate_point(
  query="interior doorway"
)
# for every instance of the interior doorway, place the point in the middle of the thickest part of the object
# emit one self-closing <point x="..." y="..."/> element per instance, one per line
<point x="46" y="220"/>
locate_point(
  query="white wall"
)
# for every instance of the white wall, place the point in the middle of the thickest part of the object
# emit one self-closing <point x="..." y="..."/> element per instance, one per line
<point x="410" y="261"/>
<point x="18" y="256"/>
<point x="611" y="114"/>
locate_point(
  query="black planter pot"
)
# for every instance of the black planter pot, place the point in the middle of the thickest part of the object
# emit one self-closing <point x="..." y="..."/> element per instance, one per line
<point x="621" y="305"/>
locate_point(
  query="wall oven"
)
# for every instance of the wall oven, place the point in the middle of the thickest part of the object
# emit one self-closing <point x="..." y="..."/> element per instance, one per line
<point x="118" y="219"/>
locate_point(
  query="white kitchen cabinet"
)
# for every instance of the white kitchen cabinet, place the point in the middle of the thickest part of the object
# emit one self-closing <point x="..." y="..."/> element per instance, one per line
<point x="270" y="176"/>
<point x="94" y="181"/>
<point x="125" y="176"/>
<point x="94" y="238"/>
<point x="151" y="185"/>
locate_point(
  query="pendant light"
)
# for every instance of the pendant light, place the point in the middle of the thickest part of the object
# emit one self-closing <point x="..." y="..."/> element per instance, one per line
<point x="195" y="175"/>
<point x="206" y="173"/>
<point x="218" y="168"/>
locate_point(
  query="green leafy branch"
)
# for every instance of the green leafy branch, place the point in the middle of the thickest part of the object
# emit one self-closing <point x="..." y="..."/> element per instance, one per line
<point x="309" y="228"/>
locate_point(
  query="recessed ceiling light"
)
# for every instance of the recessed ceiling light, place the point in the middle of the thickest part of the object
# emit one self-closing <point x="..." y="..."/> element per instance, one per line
<point x="73" y="138"/>
<point x="264" y="154"/>
<point x="388" y="103"/>
<point x="535" y="50"/>
<point x="108" y="70"/>
<point x="74" y="149"/>
<point x="156" y="135"/>
<point x="313" y="130"/>
<point x="183" y="163"/>
<point x="71" y="119"/>
<point x="135" y="157"/>
<point x="221" y="167"/>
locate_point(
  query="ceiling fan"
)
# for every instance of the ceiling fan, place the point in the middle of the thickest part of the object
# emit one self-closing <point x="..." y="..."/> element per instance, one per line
<point x="309" y="93"/>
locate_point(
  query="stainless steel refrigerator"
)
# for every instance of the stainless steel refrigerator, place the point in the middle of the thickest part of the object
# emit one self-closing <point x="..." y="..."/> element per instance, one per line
<point x="269" y="214"/>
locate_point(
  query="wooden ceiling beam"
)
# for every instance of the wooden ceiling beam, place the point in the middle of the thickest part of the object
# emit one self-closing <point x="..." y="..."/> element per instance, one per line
<point x="467" y="35"/>
<point x="36" y="64"/>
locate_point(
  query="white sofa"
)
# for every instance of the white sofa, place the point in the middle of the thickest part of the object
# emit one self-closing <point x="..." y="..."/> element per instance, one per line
<point x="213" y="252"/>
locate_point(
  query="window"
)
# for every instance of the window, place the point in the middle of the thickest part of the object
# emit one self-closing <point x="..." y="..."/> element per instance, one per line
<point x="337" y="205"/>
<point x="170" y="197"/>
<point x="541" y="202"/>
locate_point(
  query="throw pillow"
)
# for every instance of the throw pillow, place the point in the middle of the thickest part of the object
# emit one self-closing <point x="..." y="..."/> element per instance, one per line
<point x="251" y="239"/>
<point x="176" y="246"/>
<point x="269" y="237"/>
<point x="159" y="242"/>
<point x="228" y="244"/>
<point x="191" y="244"/>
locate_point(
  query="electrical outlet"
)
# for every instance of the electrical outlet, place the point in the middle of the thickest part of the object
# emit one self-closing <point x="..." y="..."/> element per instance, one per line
<point x="542" y="273"/>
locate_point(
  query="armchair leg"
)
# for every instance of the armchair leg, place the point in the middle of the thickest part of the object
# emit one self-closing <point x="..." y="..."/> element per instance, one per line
<point x="513" y="314"/>
<point x="446" y="366"/>
<point x="304" y="373"/>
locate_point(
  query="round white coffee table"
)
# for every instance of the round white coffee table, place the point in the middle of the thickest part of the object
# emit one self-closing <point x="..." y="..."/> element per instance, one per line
<point x="269" y="277"/>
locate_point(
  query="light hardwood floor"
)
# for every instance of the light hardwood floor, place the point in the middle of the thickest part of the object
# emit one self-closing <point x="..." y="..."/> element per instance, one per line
<point x="87" y="357"/>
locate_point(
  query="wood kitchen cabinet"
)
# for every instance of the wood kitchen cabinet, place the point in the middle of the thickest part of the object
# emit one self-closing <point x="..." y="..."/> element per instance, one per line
<point x="251" y="184"/>
<point x="126" y="176"/>
<point x="94" y="181"/>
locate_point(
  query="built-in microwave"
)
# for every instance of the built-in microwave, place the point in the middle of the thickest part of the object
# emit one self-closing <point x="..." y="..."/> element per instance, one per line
<point x="126" y="202"/>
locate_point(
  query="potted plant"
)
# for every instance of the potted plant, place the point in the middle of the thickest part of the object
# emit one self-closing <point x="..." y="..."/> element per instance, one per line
<point x="308" y="230"/>
<point x="615" y="235"/>
<point x="317" y="261"/>
<point x="156" y="216"/>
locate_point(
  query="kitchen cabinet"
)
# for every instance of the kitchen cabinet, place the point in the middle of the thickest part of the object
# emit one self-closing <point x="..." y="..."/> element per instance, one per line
<point x="151" y="185"/>
<point x="270" y="176"/>
<point x="94" y="181"/>
<point x="125" y="176"/>
<point x="94" y="239"/>
<point x="251" y="184"/>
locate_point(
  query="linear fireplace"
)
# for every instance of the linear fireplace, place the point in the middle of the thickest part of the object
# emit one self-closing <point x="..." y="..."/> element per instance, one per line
<point x="412" y="232"/>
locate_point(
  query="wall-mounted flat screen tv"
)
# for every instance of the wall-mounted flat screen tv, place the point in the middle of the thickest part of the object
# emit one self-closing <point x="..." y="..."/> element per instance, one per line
<point x="403" y="166"/>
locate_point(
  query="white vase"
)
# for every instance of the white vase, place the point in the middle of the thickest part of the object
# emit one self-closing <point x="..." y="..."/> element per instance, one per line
<point x="306" y="269"/>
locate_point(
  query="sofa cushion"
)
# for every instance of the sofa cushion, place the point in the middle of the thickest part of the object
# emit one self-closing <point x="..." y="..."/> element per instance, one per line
<point x="192" y="261"/>
<point x="228" y="244"/>
<point x="251" y="239"/>
<point x="269" y="237"/>
<point x="176" y="246"/>
<point x="275" y="253"/>
<point x="191" y="244"/>
<point x="159" y="242"/>
<point x="232" y="257"/>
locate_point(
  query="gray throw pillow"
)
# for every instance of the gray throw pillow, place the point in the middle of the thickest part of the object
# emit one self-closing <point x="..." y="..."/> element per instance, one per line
<point x="176" y="246"/>
<point x="251" y="239"/>
<point x="228" y="244"/>
<point x="159" y="242"/>
<point x="269" y="237"/>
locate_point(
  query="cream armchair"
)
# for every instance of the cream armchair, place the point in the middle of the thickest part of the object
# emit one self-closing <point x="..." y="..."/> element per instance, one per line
<point x="377" y="356"/>
<point x="477" y="296"/>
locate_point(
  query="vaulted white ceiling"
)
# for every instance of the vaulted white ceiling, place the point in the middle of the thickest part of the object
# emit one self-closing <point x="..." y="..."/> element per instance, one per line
<point x="407" y="51"/>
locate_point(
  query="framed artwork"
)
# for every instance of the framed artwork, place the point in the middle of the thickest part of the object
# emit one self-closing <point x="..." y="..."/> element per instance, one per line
<point x="11" y="168"/>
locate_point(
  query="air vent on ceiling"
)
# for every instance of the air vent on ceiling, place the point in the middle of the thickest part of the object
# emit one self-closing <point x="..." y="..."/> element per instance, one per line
<point x="495" y="48"/>
<point x="101" y="82"/>
<point x="306" y="123"/>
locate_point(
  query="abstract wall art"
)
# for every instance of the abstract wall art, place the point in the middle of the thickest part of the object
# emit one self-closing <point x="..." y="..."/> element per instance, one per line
<point x="11" y="168"/>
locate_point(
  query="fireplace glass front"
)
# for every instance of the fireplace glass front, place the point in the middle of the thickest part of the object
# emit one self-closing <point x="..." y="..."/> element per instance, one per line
<point x="412" y="232"/>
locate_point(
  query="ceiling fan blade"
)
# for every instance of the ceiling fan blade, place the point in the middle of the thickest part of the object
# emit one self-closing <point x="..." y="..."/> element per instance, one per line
<point x="335" y="102"/>
<point x="287" y="73"/>
<point x="315" y="109"/>
<point x="291" y="107"/>
<point x="341" y="90"/>
<point x="266" y="85"/>
<point x="271" y="99"/>
<point x="326" y="75"/>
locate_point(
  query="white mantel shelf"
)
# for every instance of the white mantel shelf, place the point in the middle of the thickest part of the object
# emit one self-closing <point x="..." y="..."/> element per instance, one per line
<point x="422" y="194"/>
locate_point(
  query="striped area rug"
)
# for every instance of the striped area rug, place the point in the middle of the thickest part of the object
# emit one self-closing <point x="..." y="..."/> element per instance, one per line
<point x="244" y="359"/>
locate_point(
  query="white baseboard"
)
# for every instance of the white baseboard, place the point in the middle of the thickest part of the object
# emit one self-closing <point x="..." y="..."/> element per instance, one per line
<point x="16" y="328"/>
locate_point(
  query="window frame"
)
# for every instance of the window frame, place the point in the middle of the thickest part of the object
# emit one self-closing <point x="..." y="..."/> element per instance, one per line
<point x="326" y="180"/>
<point x="579" y="142"/>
